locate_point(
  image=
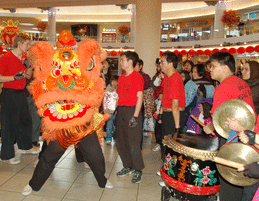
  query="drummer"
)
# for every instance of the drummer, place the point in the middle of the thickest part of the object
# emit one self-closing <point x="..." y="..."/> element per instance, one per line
<point x="251" y="170"/>
<point x="231" y="87"/>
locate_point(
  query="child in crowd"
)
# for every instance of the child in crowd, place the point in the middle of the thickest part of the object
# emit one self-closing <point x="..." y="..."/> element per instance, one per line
<point x="109" y="106"/>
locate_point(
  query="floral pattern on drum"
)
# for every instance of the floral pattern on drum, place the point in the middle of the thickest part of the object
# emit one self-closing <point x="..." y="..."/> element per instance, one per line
<point x="205" y="177"/>
<point x="168" y="164"/>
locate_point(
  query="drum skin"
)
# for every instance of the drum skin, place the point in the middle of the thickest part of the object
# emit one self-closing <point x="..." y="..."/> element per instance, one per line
<point x="187" y="168"/>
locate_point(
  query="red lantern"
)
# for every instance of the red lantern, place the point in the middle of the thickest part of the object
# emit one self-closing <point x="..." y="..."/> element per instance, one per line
<point x="241" y="50"/>
<point x="232" y="50"/>
<point x="183" y="52"/>
<point x="113" y="53"/>
<point x="161" y="52"/>
<point x="224" y="50"/>
<point x="215" y="50"/>
<point x="191" y="52"/>
<point x="199" y="52"/>
<point x="207" y="52"/>
<point x="120" y="52"/>
<point x="176" y="52"/>
<point x="257" y="48"/>
<point x="250" y="49"/>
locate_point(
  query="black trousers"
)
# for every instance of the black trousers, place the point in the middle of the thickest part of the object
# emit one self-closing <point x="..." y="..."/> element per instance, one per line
<point x="168" y="126"/>
<point x="92" y="154"/>
<point x="128" y="139"/>
<point x="16" y="123"/>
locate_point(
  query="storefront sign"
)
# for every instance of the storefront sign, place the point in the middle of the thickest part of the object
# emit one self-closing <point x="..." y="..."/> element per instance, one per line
<point x="197" y="23"/>
<point x="109" y="30"/>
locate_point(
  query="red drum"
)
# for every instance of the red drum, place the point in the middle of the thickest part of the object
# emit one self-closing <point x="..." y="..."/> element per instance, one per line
<point x="188" y="169"/>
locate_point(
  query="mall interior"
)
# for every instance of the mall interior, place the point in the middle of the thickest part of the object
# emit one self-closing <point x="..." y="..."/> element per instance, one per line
<point x="192" y="29"/>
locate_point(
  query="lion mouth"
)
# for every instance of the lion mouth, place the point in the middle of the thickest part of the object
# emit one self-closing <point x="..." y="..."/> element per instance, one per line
<point x="65" y="110"/>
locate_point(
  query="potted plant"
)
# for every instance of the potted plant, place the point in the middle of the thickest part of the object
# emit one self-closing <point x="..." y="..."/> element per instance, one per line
<point x="124" y="30"/>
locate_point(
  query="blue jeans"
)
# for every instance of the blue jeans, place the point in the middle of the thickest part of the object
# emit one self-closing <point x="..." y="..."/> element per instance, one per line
<point x="110" y="128"/>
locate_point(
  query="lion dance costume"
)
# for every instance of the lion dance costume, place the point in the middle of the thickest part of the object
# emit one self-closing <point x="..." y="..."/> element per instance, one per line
<point x="68" y="90"/>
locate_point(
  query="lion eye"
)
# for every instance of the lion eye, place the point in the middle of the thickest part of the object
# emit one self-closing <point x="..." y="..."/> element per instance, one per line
<point x="91" y="64"/>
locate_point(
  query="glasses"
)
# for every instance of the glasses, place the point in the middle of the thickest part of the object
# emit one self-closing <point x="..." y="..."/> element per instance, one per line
<point x="163" y="62"/>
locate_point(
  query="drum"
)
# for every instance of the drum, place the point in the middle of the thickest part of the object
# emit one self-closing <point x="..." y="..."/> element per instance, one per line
<point x="188" y="169"/>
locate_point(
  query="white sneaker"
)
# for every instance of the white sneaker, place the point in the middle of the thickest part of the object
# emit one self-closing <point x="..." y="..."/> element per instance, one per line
<point x="30" y="151"/>
<point x="162" y="183"/>
<point x="158" y="173"/>
<point x="108" y="184"/>
<point x="146" y="134"/>
<point x="156" y="147"/>
<point x="108" y="142"/>
<point x="13" y="161"/>
<point x="27" y="190"/>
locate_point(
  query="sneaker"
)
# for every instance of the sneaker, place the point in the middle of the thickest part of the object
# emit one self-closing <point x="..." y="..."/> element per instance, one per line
<point x="108" y="142"/>
<point x="162" y="183"/>
<point x="136" y="177"/>
<point x="13" y="161"/>
<point x="146" y="134"/>
<point x="30" y="151"/>
<point x="27" y="190"/>
<point x="158" y="173"/>
<point x="108" y="184"/>
<point x="124" y="172"/>
<point x="156" y="147"/>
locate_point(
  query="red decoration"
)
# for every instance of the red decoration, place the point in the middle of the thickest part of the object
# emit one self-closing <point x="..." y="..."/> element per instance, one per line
<point x="215" y="50"/>
<point x="224" y="50"/>
<point x="232" y="50"/>
<point x="183" y="52"/>
<point x="250" y="49"/>
<point x="199" y="52"/>
<point x="257" y="48"/>
<point x="191" y="52"/>
<point x="230" y="18"/>
<point x="120" y="52"/>
<point x="241" y="50"/>
<point x="1" y="50"/>
<point x="207" y="52"/>
<point x="123" y="29"/>
<point x="161" y="52"/>
<point x="176" y="52"/>
<point x="113" y="53"/>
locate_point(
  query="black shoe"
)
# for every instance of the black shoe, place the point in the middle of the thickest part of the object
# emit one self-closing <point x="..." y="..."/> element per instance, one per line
<point x="136" y="177"/>
<point x="124" y="172"/>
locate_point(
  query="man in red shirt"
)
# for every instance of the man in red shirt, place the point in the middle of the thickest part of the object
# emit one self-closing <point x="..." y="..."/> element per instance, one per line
<point x="16" y="121"/>
<point x="231" y="87"/>
<point x="173" y="101"/>
<point x="129" y="118"/>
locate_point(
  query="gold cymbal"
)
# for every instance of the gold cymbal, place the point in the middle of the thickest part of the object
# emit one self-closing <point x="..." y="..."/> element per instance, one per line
<point x="233" y="108"/>
<point x="239" y="153"/>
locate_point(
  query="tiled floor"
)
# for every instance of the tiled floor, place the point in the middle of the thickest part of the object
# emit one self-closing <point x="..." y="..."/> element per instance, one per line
<point x="73" y="181"/>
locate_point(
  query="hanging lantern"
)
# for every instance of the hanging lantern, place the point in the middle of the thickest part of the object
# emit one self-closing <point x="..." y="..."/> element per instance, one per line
<point x="113" y="53"/>
<point x="161" y="52"/>
<point x="241" y="50"/>
<point x="199" y="52"/>
<point x="176" y="52"/>
<point x="183" y="52"/>
<point x="191" y="52"/>
<point x="215" y="50"/>
<point x="207" y="52"/>
<point x="257" y="48"/>
<point x="224" y="50"/>
<point x="232" y="50"/>
<point x="250" y="49"/>
<point x="120" y="52"/>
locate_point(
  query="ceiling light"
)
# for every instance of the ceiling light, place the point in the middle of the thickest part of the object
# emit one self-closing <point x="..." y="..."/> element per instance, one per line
<point x="26" y="24"/>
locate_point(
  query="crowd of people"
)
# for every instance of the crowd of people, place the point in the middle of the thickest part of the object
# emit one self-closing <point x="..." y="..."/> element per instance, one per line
<point x="138" y="106"/>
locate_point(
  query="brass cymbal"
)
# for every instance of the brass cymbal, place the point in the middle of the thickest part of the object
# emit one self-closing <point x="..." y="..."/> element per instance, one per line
<point x="233" y="108"/>
<point x="239" y="153"/>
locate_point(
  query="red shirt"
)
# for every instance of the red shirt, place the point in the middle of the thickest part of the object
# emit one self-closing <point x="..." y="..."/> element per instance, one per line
<point x="9" y="66"/>
<point x="256" y="130"/>
<point x="127" y="89"/>
<point x="232" y="88"/>
<point x="173" y="89"/>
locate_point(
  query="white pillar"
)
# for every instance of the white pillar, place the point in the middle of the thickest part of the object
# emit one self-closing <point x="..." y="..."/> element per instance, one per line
<point x="219" y="26"/>
<point x="148" y="31"/>
<point x="133" y="24"/>
<point x="52" y="24"/>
